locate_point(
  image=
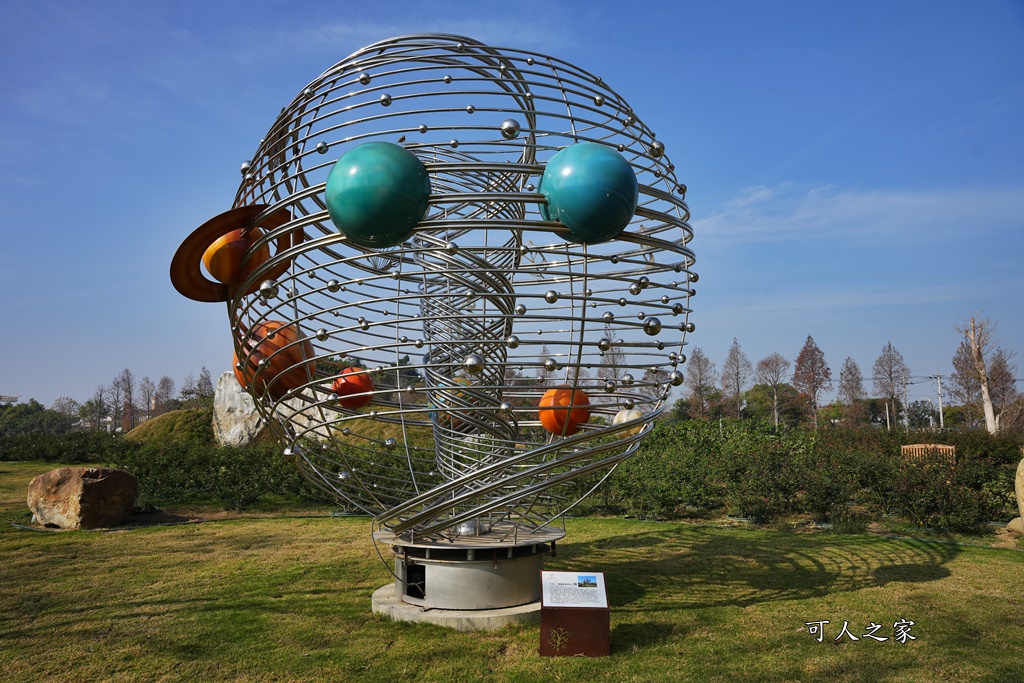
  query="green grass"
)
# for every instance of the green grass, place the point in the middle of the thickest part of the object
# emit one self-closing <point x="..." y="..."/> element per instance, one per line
<point x="288" y="598"/>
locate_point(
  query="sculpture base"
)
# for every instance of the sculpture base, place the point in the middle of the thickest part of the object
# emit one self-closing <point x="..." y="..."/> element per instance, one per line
<point x="385" y="602"/>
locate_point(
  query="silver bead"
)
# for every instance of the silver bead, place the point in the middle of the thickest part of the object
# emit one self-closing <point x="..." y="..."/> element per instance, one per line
<point x="346" y="431"/>
<point x="614" y="258"/>
<point x="676" y="378"/>
<point x="385" y="100"/>
<point x="510" y="129"/>
<point x="333" y="286"/>
<point x="520" y="309"/>
<point x="681" y="189"/>
<point x="608" y="316"/>
<point x="610" y="386"/>
<point x="470" y="109"/>
<point x="308" y="92"/>
<point x="344" y="475"/>
<point x="473" y="364"/>
<point x="682" y="358"/>
<point x="599" y="100"/>
<point x="268" y="289"/>
<point x="693" y="277"/>
<point x="363" y="325"/>
<point x="628" y="381"/>
<point x="529" y="60"/>
<point x="512" y="342"/>
<point x="390" y="443"/>
<point x="418" y="343"/>
<point x="690" y="327"/>
<point x="550" y="365"/>
<point x="423" y="128"/>
<point x="530" y="187"/>
<point x="622" y="302"/>
<point x="249" y="178"/>
<point x="461" y="47"/>
<point x="447" y="78"/>
<point x="657" y="149"/>
<point x="246" y="165"/>
<point x="322" y="334"/>
<point x="364" y="78"/>
<point x="677" y="309"/>
<point x="322" y="147"/>
<point x="629" y="404"/>
<point x="604" y="344"/>
<point x="630" y="120"/>
<point x="551" y="296"/>
<point x="665" y="299"/>
<point x="505" y="408"/>
<point x="652" y="326"/>
<point x="644" y="282"/>
<point x="634" y="289"/>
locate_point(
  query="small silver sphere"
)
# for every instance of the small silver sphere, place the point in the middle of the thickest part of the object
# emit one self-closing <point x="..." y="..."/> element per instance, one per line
<point x="520" y="309"/>
<point x="629" y="404"/>
<point x="652" y="326"/>
<point x="390" y="443"/>
<point x="657" y="149"/>
<point x="623" y="302"/>
<point x="690" y="327"/>
<point x="644" y="282"/>
<point x="630" y="120"/>
<point x="451" y="248"/>
<point x="249" y="178"/>
<point x="333" y="286"/>
<point x="550" y="365"/>
<point x="447" y="79"/>
<point x="418" y="343"/>
<point x="385" y="100"/>
<point x="627" y="380"/>
<point x="677" y="309"/>
<point x="454" y="143"/>
<point x="473" y="364"/>
<point x="681" y="189"/>
<point x="512" y="341"/>
<point x="634" y="289"/>
<point x="510" y="129"/>
<point x="344" y="475"/>
<point x="505" y="408"/>
<point x="551" y="296"/>
<point x="423" y="128"/>
<point x="363" y="324"/>
<point x="694" y="277"/>
<point x="610" y="386"/>
<point x="599" y="100"/>
<point x="246" y="165"/>
<point x="470" y="109"/>
<point x="604" y="344"/>
<point x="322" y="147"/>
<point x="268" y="289"/>
<point x="322" y="334"/>
<point x="364" y="78"/>
<point x="676" y="378"/>
<point x="608" y="316"/>
<point x="346" y="431"/>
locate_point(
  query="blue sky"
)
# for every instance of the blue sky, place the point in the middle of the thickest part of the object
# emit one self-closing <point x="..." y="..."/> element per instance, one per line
<point x="855" y="170"/>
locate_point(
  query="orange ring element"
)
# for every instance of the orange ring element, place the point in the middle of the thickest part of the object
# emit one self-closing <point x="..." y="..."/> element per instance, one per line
<point x="220" y="231"/>
<point x="562" y="410"/>
<point x="289" y="363"/>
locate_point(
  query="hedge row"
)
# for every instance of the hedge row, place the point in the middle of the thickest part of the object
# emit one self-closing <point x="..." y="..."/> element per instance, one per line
<point x="696" y="467"/>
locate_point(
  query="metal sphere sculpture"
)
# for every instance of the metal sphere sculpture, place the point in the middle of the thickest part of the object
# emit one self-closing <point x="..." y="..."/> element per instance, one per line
<point x="458" y="281"/>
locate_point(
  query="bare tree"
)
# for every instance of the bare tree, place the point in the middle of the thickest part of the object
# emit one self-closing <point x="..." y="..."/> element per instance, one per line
<point x="115" y="390"/>
<point x="128" y="387"/>
<point x="890" y="376"/>
<point x="147" y="393"/>
<point x="164" y="394"/>
<point x="701" y="379"/>
<point x="96" y="408"/>
<point x="736" y="373"/>
<point x="68" y="407"/>
<point x="811" y="375"/>
<point x="772" y="370"/>
<point x="989" y="369"/>
<point x="851" y="389"/>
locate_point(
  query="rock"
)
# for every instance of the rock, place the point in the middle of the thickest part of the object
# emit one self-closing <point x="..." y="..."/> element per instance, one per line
<point x="1016" y="525"/>
<point x="1019" y="486"/>
<point x="236" y="421"/>
<point x="82" y="497"/>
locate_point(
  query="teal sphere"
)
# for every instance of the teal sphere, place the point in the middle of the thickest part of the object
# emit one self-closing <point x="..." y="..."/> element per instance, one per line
<point x="376" y="194"/>
<point x="591" y="190"/>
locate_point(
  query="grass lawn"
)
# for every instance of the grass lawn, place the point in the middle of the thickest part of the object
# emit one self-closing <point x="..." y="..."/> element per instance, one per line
<point x="288" y="598"/>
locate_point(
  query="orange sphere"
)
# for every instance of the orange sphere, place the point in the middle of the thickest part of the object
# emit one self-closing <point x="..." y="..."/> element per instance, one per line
<point x="562" y="410"/>
<point x="290" y="363"/>
<point x="223" y="259"/>
<point x="354" y="388"/>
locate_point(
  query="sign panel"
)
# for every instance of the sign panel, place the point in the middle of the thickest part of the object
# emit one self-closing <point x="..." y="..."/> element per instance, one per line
<point x="573" y="589"/>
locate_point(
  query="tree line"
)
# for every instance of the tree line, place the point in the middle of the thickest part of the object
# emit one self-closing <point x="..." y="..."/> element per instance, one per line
<point x="983" y="387"/>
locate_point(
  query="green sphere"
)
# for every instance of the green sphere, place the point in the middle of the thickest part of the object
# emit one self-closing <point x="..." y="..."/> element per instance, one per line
<point x="591" y="190"/>
<point x="377" y="193"/>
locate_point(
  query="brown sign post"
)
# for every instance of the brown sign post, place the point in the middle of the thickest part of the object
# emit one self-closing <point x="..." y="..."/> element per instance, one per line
<point x="574" y="618"/>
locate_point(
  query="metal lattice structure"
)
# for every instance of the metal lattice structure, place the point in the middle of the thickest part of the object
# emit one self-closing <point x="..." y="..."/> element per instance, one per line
<point x="466" y="324"/>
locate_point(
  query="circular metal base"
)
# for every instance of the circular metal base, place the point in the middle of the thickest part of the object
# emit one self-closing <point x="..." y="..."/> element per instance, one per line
<point x="384" y="601"/>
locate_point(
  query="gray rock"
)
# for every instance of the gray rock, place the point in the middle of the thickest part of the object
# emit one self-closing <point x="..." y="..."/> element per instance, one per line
<point x="1019" y="486"/>
<point x="236" y="421"/>
<point x="82" y="497"/>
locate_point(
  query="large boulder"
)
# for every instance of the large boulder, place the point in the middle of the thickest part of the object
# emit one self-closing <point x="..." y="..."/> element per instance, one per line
<point x="82" y="497"/>
<point x="236" y="421"/>
<point x="1017" y="523"/>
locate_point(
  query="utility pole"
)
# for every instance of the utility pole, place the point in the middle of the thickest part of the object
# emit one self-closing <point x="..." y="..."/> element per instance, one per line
<point x="906" y="410"/>
<point x="942" y="420"/>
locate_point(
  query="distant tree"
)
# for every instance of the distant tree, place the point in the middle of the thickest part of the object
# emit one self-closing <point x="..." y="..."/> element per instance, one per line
<point x="736" y="373"/>
<point x="890" y="376"/>
<point x="95" y="409"/>
<point x="115" y="392"/>
<point x="147" y="396"/>
<point x="851" y="390"/>
<point x="984" y="374"/>
<point x="34" y="418"/>
<point x="922" y="414"/>
<point x="811" y="375"/>
<point x="701" y="379"/>
<point x="128" y="386"/>
<point x="772" y="371"/>
<point x="66" y="406"/>
<point x="204" y="386"/>
<point x="613" y="361"/>
<point x="164" y="395"/>
<point x="780" y="404"/>
<point x="652" y="385"/>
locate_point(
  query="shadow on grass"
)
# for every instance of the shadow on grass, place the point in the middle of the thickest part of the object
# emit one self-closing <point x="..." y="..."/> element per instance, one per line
<point x="693" y="568"/>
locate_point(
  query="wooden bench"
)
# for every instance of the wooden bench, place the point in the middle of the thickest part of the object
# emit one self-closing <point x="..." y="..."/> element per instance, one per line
<point x="929" y="451"/>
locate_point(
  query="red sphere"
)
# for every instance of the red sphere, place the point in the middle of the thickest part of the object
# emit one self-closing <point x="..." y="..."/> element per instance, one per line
<point x="354" y="388"/>
<point x="562" y="410"/>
